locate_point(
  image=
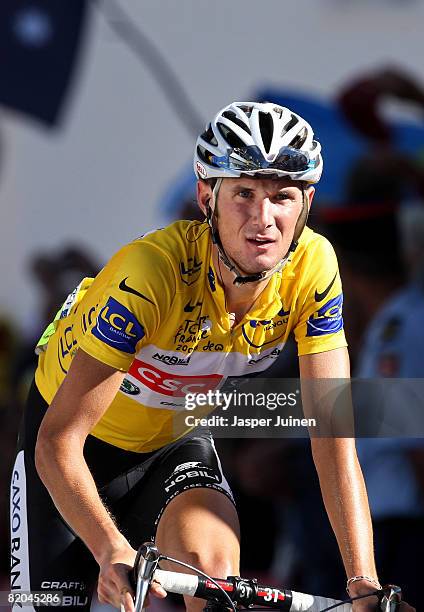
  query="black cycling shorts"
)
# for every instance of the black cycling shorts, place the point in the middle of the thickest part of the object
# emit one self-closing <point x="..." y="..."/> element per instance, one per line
<point x="136" y="487"/>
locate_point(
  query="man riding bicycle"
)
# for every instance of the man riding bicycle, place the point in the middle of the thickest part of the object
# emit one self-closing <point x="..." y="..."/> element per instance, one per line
<point x="100" y="467"/>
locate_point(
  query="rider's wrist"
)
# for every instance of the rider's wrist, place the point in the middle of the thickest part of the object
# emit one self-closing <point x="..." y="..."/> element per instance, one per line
<point x="359" y="585"/>
<point x="107" y="550"/>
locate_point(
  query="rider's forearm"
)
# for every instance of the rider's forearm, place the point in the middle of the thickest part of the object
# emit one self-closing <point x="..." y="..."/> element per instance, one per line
<point x="64" y="472"/>
<point x="346" y="502"/>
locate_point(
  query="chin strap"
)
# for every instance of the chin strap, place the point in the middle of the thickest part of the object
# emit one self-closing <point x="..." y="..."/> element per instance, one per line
<point x="240" y="278"/>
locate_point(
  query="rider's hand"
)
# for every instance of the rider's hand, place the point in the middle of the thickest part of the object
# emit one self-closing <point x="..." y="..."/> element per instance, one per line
<point x="370" y="604"/>
<point x="114" y="584"/>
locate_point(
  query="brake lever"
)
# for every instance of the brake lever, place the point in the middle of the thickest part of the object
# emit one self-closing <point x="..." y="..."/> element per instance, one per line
<point x="145" y="565"/>
<point x="391" y="598"/>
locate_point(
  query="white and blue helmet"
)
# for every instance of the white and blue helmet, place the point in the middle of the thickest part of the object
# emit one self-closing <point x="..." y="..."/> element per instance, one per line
<point x="251" y="138"/>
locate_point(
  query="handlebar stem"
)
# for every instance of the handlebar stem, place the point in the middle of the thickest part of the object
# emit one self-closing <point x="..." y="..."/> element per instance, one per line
<point x="145" y="565"/>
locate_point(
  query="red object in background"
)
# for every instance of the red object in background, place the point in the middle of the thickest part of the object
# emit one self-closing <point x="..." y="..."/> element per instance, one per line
<point x="39" y="41"/>
<point x="359" y="102"/>
<point x="388" y="365"/>
<point x="360" y="99"/>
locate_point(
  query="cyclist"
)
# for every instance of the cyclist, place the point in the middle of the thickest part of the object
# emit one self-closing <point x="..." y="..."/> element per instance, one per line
<point x="99" y="469"/>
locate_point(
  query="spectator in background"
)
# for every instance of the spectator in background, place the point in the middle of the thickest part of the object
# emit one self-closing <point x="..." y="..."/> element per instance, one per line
<point x="394" y="467"/>
<point x="361" y="100"/>
<point x="395" y="338"/>
<point x="58" y="274"/>
<point x="8" y="346"/>
<point x="366" y="240"/>
<point x="365" y="230"/>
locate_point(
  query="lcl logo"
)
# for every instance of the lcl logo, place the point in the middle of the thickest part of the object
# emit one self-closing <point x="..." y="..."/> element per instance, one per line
<point x="118" y="322"/>
<point x="118" y="327"/>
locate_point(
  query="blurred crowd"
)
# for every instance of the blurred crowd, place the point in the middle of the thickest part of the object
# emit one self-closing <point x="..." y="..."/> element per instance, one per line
<point x="378" y="234"/>
<point x="53" y="274"/>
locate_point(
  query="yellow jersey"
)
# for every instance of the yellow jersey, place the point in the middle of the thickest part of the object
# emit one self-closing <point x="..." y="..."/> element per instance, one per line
<point x="157" y="312"/>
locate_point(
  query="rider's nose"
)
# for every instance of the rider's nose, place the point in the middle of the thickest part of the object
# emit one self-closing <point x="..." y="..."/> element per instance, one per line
<point x="262" y="214"/>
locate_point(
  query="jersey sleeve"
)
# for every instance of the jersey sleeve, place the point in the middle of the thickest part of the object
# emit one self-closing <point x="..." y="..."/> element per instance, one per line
<point x="320" y="301"/>
<point x="131" y="296"/>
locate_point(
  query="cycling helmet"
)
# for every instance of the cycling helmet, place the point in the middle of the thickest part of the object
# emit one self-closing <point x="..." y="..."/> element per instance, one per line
<point x="257" y="138"/>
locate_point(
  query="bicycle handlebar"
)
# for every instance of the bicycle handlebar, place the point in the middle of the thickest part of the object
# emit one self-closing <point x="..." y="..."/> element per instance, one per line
<point x="246" y="593"/>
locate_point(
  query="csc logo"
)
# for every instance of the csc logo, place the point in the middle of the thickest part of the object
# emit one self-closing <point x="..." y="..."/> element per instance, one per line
<point x="118" y="327"/>
<point x="172" y="385"/>
<point x="328" y="319"/>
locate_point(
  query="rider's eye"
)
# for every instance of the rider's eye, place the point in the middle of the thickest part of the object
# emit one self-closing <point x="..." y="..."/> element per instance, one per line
<point x="245" y="193"/>
<point x="283" y="195"/>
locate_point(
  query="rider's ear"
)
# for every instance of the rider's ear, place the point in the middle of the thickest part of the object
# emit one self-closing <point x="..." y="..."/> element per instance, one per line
<point x="204" y="195"/>
<point x="310" y="192"/>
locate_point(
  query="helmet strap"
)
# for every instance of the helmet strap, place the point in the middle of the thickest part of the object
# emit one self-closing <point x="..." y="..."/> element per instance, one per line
<point x="301" y="222"/>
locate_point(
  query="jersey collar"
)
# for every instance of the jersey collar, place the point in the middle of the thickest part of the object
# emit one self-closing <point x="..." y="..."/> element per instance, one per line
<point x="267" y="305"/>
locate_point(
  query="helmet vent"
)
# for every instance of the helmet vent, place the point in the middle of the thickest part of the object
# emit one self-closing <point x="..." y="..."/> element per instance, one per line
<point x="266" y="127"/>
<point x="204" y="155"/>
<point x="209" y="136"/>
<point x="289" y="125"/>
<point x="232" y="138"/>
<point x="247" y="110"/>
<point x="299" y="139"/>
<point x="233" y="117"/>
